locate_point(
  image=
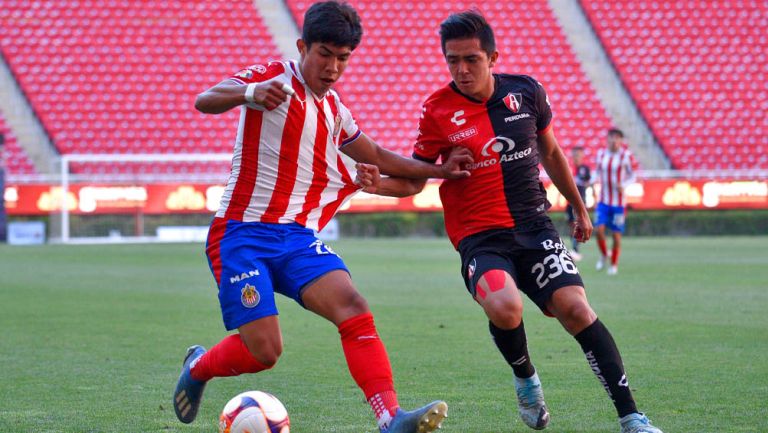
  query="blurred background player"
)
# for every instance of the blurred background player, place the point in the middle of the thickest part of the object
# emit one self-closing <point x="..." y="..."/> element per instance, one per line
<point x="614" y="171"/>
<point x="497" y="217"/>
<point x="3" y="218"/>
<point x="291" y="171"/>
<point x="582" y="177"/>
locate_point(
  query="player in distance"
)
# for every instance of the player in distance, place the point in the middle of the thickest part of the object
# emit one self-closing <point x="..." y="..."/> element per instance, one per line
<point x="582" y="177"/>
<point x="293" y="167"/>
<point x="614" y="170"/>
<point x="497" y="219"/>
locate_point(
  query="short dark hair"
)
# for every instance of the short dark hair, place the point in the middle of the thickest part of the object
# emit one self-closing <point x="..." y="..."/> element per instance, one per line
<point x="332" y="22"/>
<point x="577" y="149"/>
<point x="616" y="131"/>
<point x="467" y="25"/>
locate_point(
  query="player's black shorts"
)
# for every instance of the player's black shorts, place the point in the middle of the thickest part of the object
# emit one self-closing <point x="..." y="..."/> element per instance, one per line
<point x="533" y="254"/>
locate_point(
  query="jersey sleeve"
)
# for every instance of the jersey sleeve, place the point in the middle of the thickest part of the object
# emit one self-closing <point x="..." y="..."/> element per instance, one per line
<point x="258" y="73"/>
<point x="543" y="110"/>
<point x="429" y="142"/>
<point x="630" y="166"/>
<point x="347" y="126"/>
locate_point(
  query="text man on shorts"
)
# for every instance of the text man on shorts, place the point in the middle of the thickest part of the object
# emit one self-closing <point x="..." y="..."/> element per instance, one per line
<point x="291" y="171"/>
<point x="497" y="219"/>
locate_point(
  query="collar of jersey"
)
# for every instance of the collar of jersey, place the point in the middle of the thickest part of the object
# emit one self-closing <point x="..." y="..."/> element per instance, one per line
<point x="477" y="101"/>
<point x="296" y="71"/>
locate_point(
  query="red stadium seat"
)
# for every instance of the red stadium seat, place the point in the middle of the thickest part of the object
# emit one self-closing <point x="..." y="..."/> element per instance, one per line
<point x="399" y="63"/>
<point x="695" y="69"/>
<point x="125" y="68"/>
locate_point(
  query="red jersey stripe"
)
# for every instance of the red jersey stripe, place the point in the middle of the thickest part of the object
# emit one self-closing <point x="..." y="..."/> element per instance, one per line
<point x="330" y="210"/>
<point x="319" y="167"/>
<point x="213" y="246"/>
<point x="287" y="167"/>
<point x="246" y="179"/>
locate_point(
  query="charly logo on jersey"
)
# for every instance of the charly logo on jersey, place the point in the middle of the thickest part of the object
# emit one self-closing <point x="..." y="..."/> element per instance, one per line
<point x="513" y="101"/>
<point x="498" y="150"/>
<point x="249" y="296"/>
<point x="456" y="118"/>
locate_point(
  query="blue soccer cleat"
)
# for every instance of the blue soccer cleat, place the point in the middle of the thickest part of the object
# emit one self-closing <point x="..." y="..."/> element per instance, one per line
<point x="637" y="423"/>
<point x="189" y="392"/>
<point x="423" y="420"/>
<point x="530" y="402"/>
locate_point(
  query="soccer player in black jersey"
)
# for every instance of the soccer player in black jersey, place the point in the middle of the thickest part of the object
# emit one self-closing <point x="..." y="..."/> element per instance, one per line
<point x="582" y="176"/>
<point x="497" y="219"/>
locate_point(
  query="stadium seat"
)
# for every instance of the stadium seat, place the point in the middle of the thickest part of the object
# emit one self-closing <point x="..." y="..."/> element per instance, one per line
<point x="696" y="69"/>
<point x="16" y="160"/>
<point x="399" y="63"/>
<point x="127" y="73"/>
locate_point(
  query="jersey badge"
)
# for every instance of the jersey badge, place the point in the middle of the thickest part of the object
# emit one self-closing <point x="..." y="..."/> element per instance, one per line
<point x="513" y="101"/>
<point x="245" y="73"/>
<point x="249" y="296"/>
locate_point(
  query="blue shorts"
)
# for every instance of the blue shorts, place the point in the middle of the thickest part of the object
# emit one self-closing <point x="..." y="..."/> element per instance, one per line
<point x="610" y="216"/>
<point x="250" y="261"/>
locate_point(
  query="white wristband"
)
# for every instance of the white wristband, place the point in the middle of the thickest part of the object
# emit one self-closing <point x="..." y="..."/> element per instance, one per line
<point x="249" y="91"/>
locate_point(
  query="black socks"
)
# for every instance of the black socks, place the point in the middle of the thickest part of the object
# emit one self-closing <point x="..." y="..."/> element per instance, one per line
<point x="604" y="359"/>
<point x="513" y="345"/>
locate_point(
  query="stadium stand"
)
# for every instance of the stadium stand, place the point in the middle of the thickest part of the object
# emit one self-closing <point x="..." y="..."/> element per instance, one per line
<point x="120" y="76"/>
<point x="16" y="160"/>
<point x="399" y="63"/>
<point x="697" y="70"/>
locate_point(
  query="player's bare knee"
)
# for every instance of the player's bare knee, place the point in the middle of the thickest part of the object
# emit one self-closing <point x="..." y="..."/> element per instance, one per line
<point x="577" y="316"/>
<point x="268" y="355"/>
<point x="505" y="313"/>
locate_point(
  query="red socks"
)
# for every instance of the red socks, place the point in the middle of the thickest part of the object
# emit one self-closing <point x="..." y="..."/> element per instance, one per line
<point x="615" y="255"/>
<point x="603" y="247"/>
<point x="228" y="358"/>
<point x="369" y="364"/>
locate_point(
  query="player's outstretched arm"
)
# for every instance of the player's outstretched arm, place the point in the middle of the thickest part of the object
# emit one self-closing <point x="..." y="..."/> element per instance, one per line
<point x="556" y="165"/>
<point x="369" y="178"/>
<point x="365" y="150"/>
<point x="228" y="95"/>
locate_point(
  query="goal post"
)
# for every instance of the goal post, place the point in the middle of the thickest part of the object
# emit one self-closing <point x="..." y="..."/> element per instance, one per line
<point x="122" y="175"/>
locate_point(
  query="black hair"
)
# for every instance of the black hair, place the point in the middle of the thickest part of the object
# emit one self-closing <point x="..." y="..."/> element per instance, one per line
<point x="467" y="25"/>
<point x="334" y="23"/>
<point x="577" y="148"/>
<point x="616" y="131"/>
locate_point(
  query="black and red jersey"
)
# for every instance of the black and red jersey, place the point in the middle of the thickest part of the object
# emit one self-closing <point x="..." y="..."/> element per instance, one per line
<point x="504" y="188"/>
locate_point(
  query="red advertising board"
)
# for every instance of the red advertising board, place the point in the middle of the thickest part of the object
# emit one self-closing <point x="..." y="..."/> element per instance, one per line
<point x="82" y="199"/>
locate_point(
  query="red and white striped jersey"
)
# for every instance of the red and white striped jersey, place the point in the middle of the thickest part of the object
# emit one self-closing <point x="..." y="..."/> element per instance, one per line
<point x="614" y="171"/>
<point x="287" y="164"/>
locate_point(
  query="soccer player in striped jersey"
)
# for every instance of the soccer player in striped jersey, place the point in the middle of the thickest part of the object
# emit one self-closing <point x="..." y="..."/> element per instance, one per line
<point x="297" y="155"/>
<point x="497" y="217"/>
<point x="614" y="171"/>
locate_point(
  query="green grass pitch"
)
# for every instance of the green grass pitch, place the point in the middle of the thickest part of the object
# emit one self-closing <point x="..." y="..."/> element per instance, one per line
<point x="92" y="337"/>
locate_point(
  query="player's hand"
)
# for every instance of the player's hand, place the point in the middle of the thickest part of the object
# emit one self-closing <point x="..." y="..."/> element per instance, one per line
<point x="271" y="94"/>
<point x="582" y="227"/>
<point x="455" y="166"/>
<point x="368" y="177"/>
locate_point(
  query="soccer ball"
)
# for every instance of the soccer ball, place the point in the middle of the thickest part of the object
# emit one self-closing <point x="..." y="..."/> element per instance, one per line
<point x="254" y="412"/>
